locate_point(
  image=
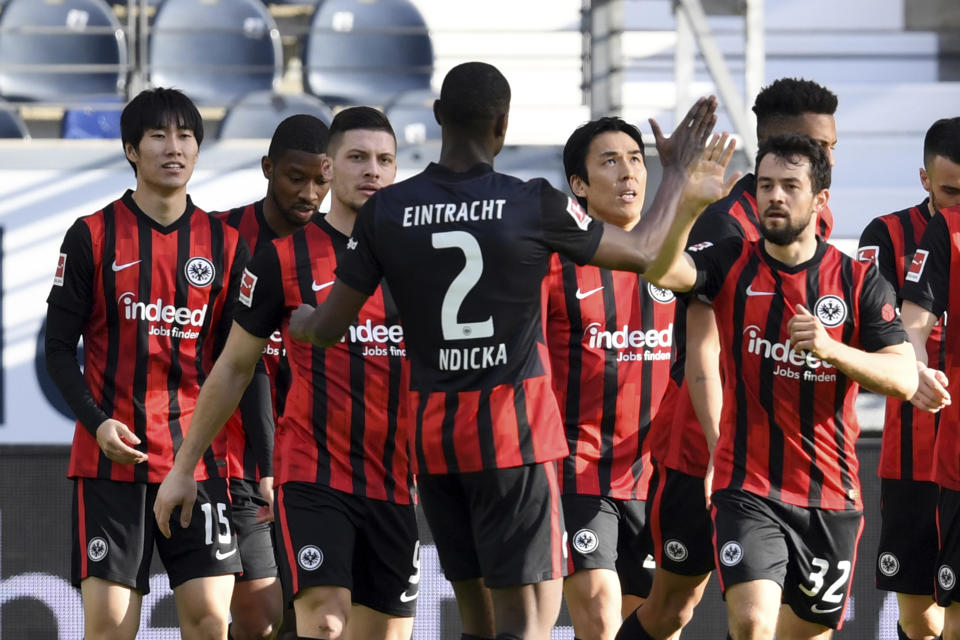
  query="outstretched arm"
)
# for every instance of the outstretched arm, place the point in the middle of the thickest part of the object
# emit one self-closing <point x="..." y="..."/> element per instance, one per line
<point x="326" y="324"/>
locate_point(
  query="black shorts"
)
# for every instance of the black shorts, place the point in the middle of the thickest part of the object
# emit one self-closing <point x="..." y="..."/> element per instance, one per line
<point x="606" y="533"/>
<point x="330" y="538"/>
<point x="948" y="558"/>
<point x="255" y="538"/>
<point x="680" y="524"/>
<point x="114" y="533"/>
<point x="502" y="525"/>
<point x="907" y="553"/>
<point x="810" y="553"/>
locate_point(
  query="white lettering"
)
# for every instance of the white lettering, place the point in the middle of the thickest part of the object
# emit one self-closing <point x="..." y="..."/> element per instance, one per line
<point x="473" y="357"/>
<point x="444" y="212"/>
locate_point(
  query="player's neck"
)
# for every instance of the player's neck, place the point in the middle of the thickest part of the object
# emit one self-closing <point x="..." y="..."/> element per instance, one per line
<point x="341" y="218"/>
<point x="932" y="209"/>
<point x="275" y="220"/>
<point x="462" y="154"/>
<point x="797" y="252"/>
<point x="164" y="208"/>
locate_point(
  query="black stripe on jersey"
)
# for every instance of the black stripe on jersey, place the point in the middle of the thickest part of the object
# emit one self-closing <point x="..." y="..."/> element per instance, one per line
<point x="488" y="449"/>
<point x="358" y="370"/>
<point x="524" y="436"/>
<point x="767" y="382"/>
<point x="447" y="431"/>
<point x="740" y="437"/>
<point x="648" y="322"/>
<point x="393" y="408"/>
<point x="608" y="417"/>
<point x="418" y="447"/>
<point x="235" y="216"/>
<point x="175" y="374"/>
<point x="113" y="328"/>
<point x="217" y="252"/>
<point x="574" y="371"/>
<point x="839" y="436"/>
<point x="808" y="390"/>
<point x="141" y="362"/>
<point x="748" y="209"/>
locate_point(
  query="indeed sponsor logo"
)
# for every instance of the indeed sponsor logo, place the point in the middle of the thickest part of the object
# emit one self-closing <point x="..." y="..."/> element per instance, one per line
<point x="160" y="312"/>
<point x="780" y="351"/>
<point x="369" y="332"/>
<point x="597" y="338"/>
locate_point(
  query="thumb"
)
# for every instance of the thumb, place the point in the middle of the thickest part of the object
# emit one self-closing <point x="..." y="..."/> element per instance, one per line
<point x="656" y="129"/>
<point x="941" y="377"/>
<point x="802" y="310"/>
<point x="731" y="181"/>
<point x="128" y="435"/>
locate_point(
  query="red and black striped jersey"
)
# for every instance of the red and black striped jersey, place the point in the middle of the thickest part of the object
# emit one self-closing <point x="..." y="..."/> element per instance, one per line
<point x="935" y="267"/>
<point x="610" y="335"/>
<point x="345" y="425"/>
<point x="909" y="433"/>
<point x="789" y="425"/>
<point x="242" y="461"/>
<point x="157" y="303"/>
<point x="465" y="255"/>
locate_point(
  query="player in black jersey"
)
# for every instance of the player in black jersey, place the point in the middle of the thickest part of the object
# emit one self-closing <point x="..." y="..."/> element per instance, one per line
<point x="464" y="250"/>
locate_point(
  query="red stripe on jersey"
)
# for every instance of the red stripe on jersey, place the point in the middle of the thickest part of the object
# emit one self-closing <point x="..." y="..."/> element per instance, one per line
<point x="150" y="334"/>
<point x="338" y="427"/>
<point x="610" y="339"/>
<point x="908" y="433"/>
<point x="82" y="527"/>
<point x="683" y="445"/>
<point x="287" y="541"/>
<point x="787" y="428"/>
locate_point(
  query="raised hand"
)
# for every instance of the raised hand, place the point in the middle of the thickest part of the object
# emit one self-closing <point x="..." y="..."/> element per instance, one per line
<point x="683" y="148"/>
<point x="706" y="183"/>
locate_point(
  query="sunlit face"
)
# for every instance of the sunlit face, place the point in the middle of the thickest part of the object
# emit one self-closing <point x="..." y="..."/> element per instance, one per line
<point x="164" y="158"/>
<point x="942" y="181"/>
<point x="363" y="161"/>
<point x="785" y="199"/>
<point x="617" y="179"/>
<point x="820" y="126"/>
<point x="296" y="185"/>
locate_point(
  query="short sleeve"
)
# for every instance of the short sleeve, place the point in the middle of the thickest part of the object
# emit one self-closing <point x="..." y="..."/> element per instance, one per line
<point x="713" y="262"/>
<point x="927" y="281"/>
<point x="260" y="303"/>
<point x="73" y="280"/>
<point x="358" y="265"/>
<point x="880" y="325"/>
<point x="876" y="246"/>
<point x="567" y="228"/>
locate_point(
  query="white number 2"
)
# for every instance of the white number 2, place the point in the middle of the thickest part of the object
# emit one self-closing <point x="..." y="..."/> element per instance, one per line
<point x="223" y="530"/>
<point x="461" y="286"/>
<point x="833" y="595"/>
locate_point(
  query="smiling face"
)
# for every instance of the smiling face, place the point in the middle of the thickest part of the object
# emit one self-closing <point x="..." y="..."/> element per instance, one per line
<point x="362" y="162"/>
<point x="616" y="179"/>
<point x="785" y="199"/>
<point x="164" y="158"/>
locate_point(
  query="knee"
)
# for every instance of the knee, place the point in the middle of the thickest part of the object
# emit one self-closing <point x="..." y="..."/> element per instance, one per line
<point x="208" y="626"/>
<point x="322" y="612"/>
<point x="920" y="627"/>
<point x="255" y="622"/>
<point x="751" y="624"/>
<point x="679" y="611"/>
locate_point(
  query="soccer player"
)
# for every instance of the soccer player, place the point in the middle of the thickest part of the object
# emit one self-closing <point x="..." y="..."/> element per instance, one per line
<point x="464" y="250"/>
<point x="907" y="553"/>
<point x="610" y="337"/>
<point x="345" y="521"/>
<point x="148" y="282"/>
<point x="679" y="518"/>
<point x="927" y="298"/>
<point x="801" y="326"/>
<point x="296" y="186"/>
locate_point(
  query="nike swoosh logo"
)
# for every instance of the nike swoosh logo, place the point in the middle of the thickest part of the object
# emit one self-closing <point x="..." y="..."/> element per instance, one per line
<point x="224" y="556"/>
<point x="816" y="609"/>
<point x="751" y="292"/>
<point x="583" y="294"/>
<point x="121" y="267"/>
<point x="320" y="287"/>
<point x="405" y="598"/>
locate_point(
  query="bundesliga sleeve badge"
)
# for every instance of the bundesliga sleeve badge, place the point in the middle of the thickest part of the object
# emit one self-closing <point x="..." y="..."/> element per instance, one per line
<point x="248" y="283"/>
<point x="916" y="265"/>
<point x="578" y="214"/>
<point x="61" y="267"/>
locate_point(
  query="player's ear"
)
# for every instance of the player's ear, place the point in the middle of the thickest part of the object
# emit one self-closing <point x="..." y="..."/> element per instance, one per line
<point x="925" y="180"/>
<point x="820" y="200"/>
<point x="266" y="165"/>
<point x="578" y="186"/>
<point x="131" y="152"/>
<point x="326" y="168"/>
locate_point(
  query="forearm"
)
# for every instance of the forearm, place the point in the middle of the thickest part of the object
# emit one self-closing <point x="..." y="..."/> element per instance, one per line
<point x="702" y="370"/>
<point x="256" y="408"/>
<point x="891" y="373"/>
<point x="60" y="347"/>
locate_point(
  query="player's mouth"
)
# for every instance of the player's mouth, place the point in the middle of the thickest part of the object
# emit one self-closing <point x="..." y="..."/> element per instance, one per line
<point x="368" y="188"/>
<point x="173" y="166"/>
<point x="305" y="211"/>
<point x="628" y="196"/>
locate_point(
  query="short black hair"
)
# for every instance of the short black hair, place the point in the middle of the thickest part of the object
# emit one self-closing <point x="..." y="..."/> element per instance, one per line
<point x="942" y="139"/>
<point x="157" y="109"/>
<point x="789" y="147"/>
<point x="790" y="97"/>
<point x="578" y="145"/>
<point x="358" y="118"/>
<point x="300" y="132"/>
<point x="473" y="95"/>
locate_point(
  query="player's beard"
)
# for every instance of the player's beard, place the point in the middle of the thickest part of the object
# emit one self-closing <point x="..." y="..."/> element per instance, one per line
<point x="786" y="234"/>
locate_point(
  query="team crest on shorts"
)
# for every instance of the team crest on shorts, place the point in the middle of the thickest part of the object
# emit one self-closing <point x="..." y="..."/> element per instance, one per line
<point x="946" y="577"/>
<point x="310" y="558"/>
<point x="97" y="549"/>
<point x="888" y="564"/>
<point x="731" y="553"/>
<point x="675" y="550"/>
<point x="831" y="310"/>
<point x="199" y="271"/>
<point x="586" y="541"/>
<point x="660" y="295"/>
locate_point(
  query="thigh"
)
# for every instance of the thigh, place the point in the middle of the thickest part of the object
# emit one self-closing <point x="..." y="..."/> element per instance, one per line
<point x="823" y="550"/>
<point x="386" y="560"/>
<point x="593" y="529"/>
<point x="447" y="512"/>
<point x="750" y="543"/>
<point x="634" y="548"/>
<point x="208" y="547"/>
<point x="254" y="539"/>
<point x="312" y="555"/>
<point x="112" y="536"/>
<point x="907" y="553"/>
<point x="948" y="557"/>
<point x="680" y="525"/>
